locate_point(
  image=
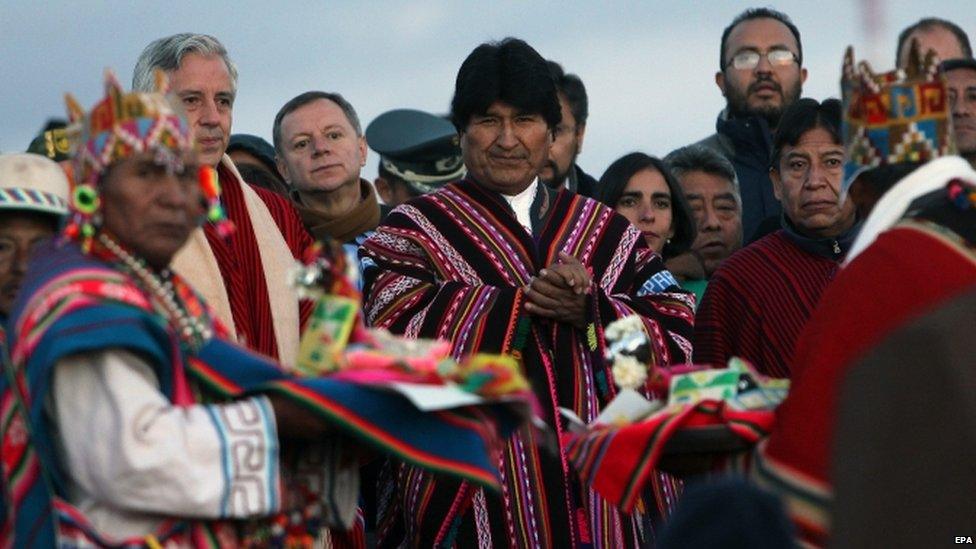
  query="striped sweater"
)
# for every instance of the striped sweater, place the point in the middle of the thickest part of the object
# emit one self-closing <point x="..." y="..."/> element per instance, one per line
<point x="757" y="302"/>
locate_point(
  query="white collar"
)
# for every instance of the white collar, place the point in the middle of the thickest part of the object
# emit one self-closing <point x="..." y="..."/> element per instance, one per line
<point x="891" y="207"/>
<point x="521" y="204"/>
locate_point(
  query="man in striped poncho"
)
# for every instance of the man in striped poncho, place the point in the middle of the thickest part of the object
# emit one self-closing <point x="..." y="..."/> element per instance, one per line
<point x="501" y="263"/>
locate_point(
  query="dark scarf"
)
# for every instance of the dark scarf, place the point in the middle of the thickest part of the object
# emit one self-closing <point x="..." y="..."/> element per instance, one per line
<point x="364" y="216"/>
<point x="833" y="248"/>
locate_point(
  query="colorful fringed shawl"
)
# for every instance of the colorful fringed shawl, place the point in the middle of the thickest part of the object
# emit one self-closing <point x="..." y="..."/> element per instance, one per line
<point x="73" y="303"/>
<point x="452" y="265"/>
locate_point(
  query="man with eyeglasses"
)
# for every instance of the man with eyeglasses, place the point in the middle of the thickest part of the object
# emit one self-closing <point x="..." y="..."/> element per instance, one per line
<point x="561" y="169"/>
<point x="760" y="75"/>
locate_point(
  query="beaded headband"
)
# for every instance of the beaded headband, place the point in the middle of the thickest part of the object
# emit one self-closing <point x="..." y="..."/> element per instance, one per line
<point x="894" y="117"/>
<point x="122" y="125"/>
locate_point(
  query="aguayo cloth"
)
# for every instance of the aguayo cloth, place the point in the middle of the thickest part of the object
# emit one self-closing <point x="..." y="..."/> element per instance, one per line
<point x="453" y="265"/>
<point x="618" y="461"/>
<point x="907" y="270"/>
<point x="894" y="117"/>
<point x="75" y="305"/>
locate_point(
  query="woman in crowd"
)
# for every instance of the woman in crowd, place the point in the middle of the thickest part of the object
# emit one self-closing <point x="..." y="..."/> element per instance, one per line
<point x="642" y="189"/>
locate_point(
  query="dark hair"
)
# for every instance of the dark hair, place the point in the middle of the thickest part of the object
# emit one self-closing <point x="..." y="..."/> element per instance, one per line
<point x="760" y="13"/>
<point x="929" y="23"/>
<point x="615" y="179"/>
<point x="259" y="176"/>
<point x="301" y="100"/>
<point x="881" y="179"/>
<point x="801" y="117"/>
<point x="572" y="87"/>
<point x="509" y="71"/>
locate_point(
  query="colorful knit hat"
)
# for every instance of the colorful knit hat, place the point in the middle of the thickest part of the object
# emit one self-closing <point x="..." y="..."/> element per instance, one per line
<point x="119" y="126"/>
<point x="894" y="117"/>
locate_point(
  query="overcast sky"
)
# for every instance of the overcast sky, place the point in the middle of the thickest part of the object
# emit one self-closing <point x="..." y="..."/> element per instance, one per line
<point x="648" y="66"/>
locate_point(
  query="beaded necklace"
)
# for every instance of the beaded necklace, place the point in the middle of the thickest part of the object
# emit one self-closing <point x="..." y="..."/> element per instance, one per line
<point x="961" y="194"/>
<point x="172" y="298"/>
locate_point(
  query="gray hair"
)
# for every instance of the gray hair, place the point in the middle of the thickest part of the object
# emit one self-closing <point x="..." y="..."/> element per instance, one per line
<point x="699" y="158"/>
<point x="303" y="99"/>
<point x="167" y="54"/>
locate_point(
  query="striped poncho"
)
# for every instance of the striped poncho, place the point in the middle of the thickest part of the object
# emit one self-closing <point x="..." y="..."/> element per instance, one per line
<point x="452" y="265"/>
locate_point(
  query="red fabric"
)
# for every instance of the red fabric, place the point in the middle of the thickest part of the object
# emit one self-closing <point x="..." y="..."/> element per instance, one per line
<point x="240" y="262"/>
<point x="904" y="274"/>
<point x="757" y="303"/>
<point x="618" y="461"/>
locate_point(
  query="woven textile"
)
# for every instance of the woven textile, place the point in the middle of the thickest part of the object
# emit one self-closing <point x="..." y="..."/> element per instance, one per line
<point x="74" y="303"/>
<point x="618" y="461"/>
<point x="757" y="303"/>
<point x="452" y="265"/>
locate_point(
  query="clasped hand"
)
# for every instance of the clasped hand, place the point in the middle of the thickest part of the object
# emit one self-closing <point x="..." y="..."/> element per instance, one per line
<point x="559" y="291"/>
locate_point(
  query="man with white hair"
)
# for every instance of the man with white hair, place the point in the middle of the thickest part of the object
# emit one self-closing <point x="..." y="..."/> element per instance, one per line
<point x="243" y="276"/>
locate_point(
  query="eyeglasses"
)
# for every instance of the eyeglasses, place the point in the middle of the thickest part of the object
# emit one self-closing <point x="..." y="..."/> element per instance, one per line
<point x="749" y="59"/>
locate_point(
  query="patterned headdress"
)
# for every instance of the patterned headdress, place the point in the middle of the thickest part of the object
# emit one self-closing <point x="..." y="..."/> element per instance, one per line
<point x="894" y="117"/>
<point x="119" y="126"/>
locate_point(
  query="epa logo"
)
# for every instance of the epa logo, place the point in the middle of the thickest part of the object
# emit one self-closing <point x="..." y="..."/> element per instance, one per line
<point x="964" y="539"/>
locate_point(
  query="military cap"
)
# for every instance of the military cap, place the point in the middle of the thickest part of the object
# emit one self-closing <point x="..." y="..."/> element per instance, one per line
<point x="959" y="63"/>
<point x="418" y="147"/>
<point x="53" y="141"/>
<point x="256" y="147"/>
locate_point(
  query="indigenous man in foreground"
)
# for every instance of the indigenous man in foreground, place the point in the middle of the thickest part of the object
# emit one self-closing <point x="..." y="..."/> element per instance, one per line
<point x="103" y="442"/>
<point x="501" y="263"/>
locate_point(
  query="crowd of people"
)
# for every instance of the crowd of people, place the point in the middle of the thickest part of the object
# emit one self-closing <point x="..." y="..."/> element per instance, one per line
<point x="151" y="261"/>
